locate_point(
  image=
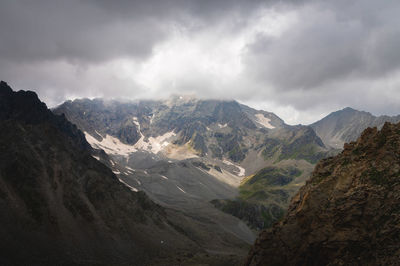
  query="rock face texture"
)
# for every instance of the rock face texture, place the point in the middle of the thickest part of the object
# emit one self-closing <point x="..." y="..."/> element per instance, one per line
<point x="347" y="213"/>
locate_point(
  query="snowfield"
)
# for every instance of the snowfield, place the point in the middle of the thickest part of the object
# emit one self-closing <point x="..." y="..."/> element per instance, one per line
<point x="263" y="121"/>
<point x="112" y="145"/>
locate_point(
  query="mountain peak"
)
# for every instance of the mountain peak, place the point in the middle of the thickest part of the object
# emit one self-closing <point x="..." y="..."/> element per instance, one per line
<point x="346" y="125"/>
<point x="4" y="87"/>
<point x="349" y="109"/>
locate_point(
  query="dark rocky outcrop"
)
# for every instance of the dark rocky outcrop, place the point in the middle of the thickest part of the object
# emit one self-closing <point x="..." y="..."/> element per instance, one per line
<point x="347" y="213"/>
<point x="60" y="206"/>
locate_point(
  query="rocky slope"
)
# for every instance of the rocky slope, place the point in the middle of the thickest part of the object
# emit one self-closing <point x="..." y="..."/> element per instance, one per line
<point x="61" y="206"/>
<point x="347" y="125"/>
<point x="347" y="213"/>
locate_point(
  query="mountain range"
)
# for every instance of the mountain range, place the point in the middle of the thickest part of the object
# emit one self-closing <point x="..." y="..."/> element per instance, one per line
<point x="179" y="181"/>
<point x="184" y="142"/>
<point x="185" y="151"/>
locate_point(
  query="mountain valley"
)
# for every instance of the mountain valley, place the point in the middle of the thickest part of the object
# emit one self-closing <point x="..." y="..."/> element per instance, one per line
<point x="185" y="151"/>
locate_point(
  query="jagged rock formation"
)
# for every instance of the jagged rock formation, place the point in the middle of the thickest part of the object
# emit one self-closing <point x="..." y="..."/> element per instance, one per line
<point x="60" y="206"/>
<point x="347" y="213"/>
<point x="347" y="125"/>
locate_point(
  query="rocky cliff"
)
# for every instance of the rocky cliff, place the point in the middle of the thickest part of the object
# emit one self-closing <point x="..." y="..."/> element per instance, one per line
<point x="347" y="213"/>
<point x="60" y="206"/>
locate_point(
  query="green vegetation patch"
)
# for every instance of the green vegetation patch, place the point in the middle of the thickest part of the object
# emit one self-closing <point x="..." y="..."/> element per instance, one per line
<point x="274" y="176"/>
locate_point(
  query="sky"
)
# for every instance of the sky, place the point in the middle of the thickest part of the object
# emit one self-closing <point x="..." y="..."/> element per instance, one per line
<point x="300" y="59"/>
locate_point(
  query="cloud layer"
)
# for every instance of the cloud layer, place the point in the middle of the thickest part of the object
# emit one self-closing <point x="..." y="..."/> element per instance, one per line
<point x="300" y="59"/>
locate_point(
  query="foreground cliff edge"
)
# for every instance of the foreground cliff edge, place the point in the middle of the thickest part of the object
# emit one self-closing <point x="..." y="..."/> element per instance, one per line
<point x="347" y="213"/>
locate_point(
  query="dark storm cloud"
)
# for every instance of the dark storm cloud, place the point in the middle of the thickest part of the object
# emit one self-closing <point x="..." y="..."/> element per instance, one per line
<point x="97" y="30"/>
<point x="73" y="30"/>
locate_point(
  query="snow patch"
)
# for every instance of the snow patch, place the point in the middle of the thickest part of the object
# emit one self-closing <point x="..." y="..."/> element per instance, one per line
<point x="116" y="172"/>
<point x="114" y="146"/>
<point x="154" y="145"/>
<point x="136" y="122"/>
<point x="151" y="119"/>
<point x="222" y="126"/>
<point x="129" y="186"/>
<point x="111" y="144"/>
<point x="241" y="169"/>
<point x="181" y="189"/>
<point x="163" y="176"/>
<point x="127" y="167"/>
<point x="96" y="157"/>
<point x="262" y="120"/>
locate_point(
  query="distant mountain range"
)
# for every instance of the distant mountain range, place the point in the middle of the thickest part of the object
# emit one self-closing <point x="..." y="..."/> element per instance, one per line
<point x="346" y="125"/>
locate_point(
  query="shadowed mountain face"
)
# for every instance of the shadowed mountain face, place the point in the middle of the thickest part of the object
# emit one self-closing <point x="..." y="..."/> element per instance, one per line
<point x="184" y="152"/>
<point x="347" y="213"/>
<point x="347" y="125"/>
<point x="61" y="206"/>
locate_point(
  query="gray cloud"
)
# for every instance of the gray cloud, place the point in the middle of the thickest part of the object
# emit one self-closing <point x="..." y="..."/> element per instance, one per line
<point x="73" y="30"/>
<point x="335" y="54"/>
<point x="97" y="30"/>
<point x="329" y="42"/>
